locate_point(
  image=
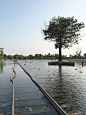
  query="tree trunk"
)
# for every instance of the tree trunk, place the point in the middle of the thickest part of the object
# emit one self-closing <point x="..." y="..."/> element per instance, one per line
<point x="60" y="53"/>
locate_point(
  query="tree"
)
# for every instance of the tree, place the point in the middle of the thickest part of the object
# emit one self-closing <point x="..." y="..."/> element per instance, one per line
<point x="20" y="57"/>
<point x="63" y="31"/>
<point x="37" y="56"/>
<point x="16" y="57"/>
<point x="5" y="58"/>
<point x="1" y="53"/>
<point x="85" y="55"/>
<point x="56" y="56"/>
<point x="78" y="52"/>
<point x="10" y="57"/>
<point x="30" y="57"/>
<point x="25" y="58"/>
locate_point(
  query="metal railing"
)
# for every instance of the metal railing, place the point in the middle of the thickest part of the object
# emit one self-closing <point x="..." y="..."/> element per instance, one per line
<point x="11" y="79"/>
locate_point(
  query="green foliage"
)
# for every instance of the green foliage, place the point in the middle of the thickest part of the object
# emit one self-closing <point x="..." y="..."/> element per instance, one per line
<point x="5" y="58"/>
<point x="39" y="57"/>
<point x="16" y="57"/>
<point x="85" y="55"/>
<point x="25" y="58"/>
<point x="78" y="53"/>
<point x="0" y="57"/>
<point x="30" y="57"/>
<point x="9" y="57"/>
<point x="66" y="29"/>
<point x="1" y="53"/>
<point x="63" y="31"/>
<point x="20" y="57"/>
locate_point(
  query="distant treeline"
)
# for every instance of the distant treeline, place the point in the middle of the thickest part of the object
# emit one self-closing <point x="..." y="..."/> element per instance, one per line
<point x="36" y="56"/>
<point x="39" y="56"/>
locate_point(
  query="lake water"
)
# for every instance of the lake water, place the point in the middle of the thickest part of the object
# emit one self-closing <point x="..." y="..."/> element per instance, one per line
<point x="5" y="87"/>
<point x="66" y="84"/>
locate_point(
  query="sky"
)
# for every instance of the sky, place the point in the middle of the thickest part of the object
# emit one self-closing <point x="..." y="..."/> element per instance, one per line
<point x="22" y="21"/>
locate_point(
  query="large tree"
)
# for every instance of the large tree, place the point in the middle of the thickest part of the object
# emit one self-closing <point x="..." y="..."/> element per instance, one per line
<point x="63" y="31"/>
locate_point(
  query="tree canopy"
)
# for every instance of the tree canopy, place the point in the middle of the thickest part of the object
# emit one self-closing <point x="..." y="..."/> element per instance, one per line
<point x="63" y="31"/>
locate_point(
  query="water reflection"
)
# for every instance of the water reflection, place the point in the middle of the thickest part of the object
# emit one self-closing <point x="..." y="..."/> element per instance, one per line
<point x="60" y="71"/>
<point x="29" y="100"/>
<point x="64" y="83"/>
<point x="69" y="87"/>
<point x="5" y="88"/>
<point x="1" y="67"/>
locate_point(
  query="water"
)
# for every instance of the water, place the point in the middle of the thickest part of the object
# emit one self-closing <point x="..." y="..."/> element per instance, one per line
<point x="5" y="87"/>
<point x="66" y="84"/>
<point x="28" y="98"/>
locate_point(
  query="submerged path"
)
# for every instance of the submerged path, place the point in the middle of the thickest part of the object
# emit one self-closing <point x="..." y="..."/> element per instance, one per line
<point x="32" y="101"/>
<point x="28" y="98"/>
<point x="52" y="101"/>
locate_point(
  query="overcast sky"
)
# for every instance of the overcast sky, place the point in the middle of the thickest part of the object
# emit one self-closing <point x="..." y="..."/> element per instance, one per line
<point x="21" y="22"/>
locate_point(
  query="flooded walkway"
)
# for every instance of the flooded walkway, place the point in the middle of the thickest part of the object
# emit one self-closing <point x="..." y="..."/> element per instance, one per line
<point x="67" y="86"/>
<point x="28" y="98"/>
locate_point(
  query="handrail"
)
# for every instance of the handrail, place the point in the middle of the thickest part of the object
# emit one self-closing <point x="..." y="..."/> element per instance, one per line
<point x="52" y="101"/>
<point x="11" y="79"/>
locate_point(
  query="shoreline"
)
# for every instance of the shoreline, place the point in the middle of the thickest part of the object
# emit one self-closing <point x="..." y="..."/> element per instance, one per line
<point x="79" y="61"/>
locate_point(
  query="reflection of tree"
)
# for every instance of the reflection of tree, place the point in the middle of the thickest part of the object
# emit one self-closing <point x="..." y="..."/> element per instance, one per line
<point x="1" y="67"/>
<point x="60" y="80"/>
<point x="63" y="87"/>
<point x="60" y="71"/>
